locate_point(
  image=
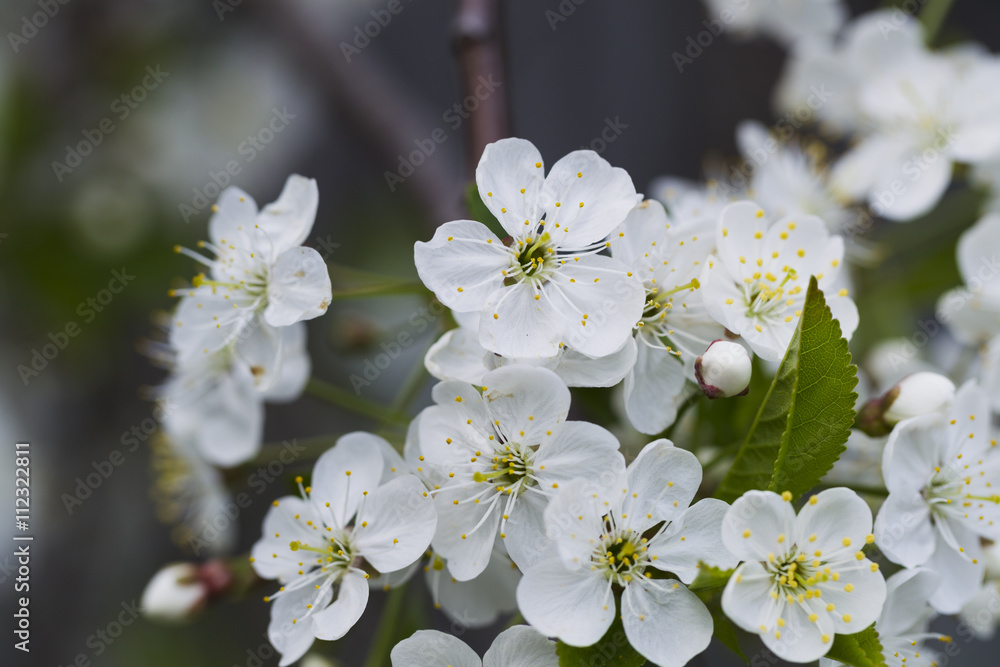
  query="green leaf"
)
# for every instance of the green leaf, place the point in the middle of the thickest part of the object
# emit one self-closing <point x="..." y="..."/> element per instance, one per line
<point x="710" y="578"/>
<point x="613" y="649"/>
<point x="858" y="650"/>
<point x="806" y="416"/>
<point x="479" y="212"/>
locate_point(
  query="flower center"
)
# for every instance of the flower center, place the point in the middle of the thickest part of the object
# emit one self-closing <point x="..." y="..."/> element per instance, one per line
<point x="335" y="555"/>
<point x="621" y="554"/>
<point x="509" y="469"/>
<point x="765" y="296"/>
<point x="536" y="258"/>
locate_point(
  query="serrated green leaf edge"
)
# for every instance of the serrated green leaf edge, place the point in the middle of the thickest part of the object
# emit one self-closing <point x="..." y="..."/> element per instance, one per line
<point x="777" y="454"/>
<point x="862" y="649"/>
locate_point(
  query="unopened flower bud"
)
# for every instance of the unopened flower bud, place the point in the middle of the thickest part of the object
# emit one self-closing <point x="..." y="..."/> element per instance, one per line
<point x="724" y="370"/>
<point x="917" y="394"/>
<point x="176" y="593"/>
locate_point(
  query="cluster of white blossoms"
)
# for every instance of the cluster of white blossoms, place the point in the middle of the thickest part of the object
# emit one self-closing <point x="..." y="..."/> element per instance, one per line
<point x="237" y="336"/>
<point x="568" y="474"/>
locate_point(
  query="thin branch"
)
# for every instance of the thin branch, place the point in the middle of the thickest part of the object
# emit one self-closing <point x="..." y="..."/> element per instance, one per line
<point x="373" y="102"/>
<point x="479" y="48"/>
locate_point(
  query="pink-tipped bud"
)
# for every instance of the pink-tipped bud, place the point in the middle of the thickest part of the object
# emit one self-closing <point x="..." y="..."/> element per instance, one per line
<point x="724" y="370"/>
<point x="917" y="394"/>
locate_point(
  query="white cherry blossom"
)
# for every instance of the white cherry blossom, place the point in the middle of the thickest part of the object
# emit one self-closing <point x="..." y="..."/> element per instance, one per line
<point x="500" y="451"/>
<point x="668" y="255"/>
<point x="260" y="269"/>
<point x="942" y="473"/>
<point x="804" y="577"/>
<point x="319" y="545"/>
<point x="925" y="114"/>
<point x="217" y="399"/>
<point x="548" y="287"/>
<point x="756" y="285"/>
<point x="905" y="619"/>
<point x="600" y="546"/>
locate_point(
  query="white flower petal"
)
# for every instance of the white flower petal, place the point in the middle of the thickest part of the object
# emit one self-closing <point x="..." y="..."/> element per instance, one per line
<point x="466" y="531"/>
<point x="232" y="420"/>
<point x="667" y="623"/>
<point x="479" y="602"/>
<point x="579" y="370"/>
<point x="573" y="518"/>
<point x="234" y="217"/>
<point x="298" y="287"/>
<point x="206" y="321"/>
<point x="433" y="649"/>
<point x="462" y="264"/>
<point x="525" y="536"/>
<point x="457" y="355"/>
<point x="906" y="610"/>
<point x="593" y="199"/>
<point x="516" y="324"/>
<point x="914" y="448"/>
<point x="575" y="606"/>
<point x="839" y="518"/>
<point x="858" y="593"/>
<point x="357" y="454"/>
<point x="903" y="530"/>
<point x="752" y="526"/>
<point x="960" y="577"/>
<point x="272" y="557"/>
<point x="801" y="640"/>
<point x="651" y="388"/>
<point x="521" y="646"/>
<point x="400" y="521"/>
<point x="292" y="640"/>
<point x="510" y="176"/>
<point x="692" y="538"/>
<point x="746" y="599"/>
<point x="525" y="401"/>
<point x="287" y="221"/>
<point x="662" y="482"/>
<point x="336" y="620"/>
<point x="598" y="304"/>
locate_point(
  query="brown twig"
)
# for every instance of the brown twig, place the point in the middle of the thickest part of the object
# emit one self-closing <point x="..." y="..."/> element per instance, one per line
<point x="479" y="47"/>
<point x="374" y="103"/>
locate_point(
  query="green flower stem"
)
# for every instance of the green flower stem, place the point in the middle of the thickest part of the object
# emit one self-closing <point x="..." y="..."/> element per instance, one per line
<point x="344" y="399"/>
<point x="380" y="289"/>
<point x="932" y="16"/>
<point x="385" y="636"/>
